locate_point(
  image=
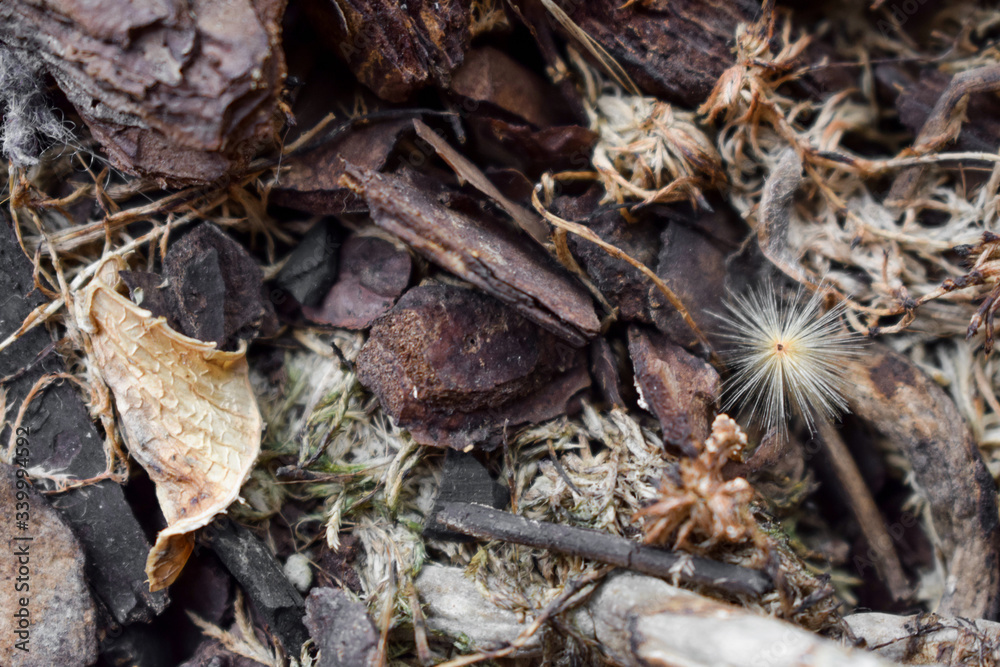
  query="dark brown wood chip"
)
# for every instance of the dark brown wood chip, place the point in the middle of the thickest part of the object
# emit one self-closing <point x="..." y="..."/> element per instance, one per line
<point x="896" y="398"/>
<point x="341" y="628"/>
<point x="623" y="285"/>
<point x="677" y="387"/>
<point x="217" y="288"/>
<point x="312" y="181"/>
<point x="396" y="47"/>
<point x="674" y="49"/>
<point x="373" y="274"/>
<point x="484" y="252"/>
<point x="183" y="93"/>
<point x="490" y="75"/>
<point x="453" y="366"/>
<point x="312" y="267"/>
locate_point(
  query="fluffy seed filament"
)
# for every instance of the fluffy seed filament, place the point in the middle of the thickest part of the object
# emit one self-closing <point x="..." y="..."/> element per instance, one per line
<point x="786" y="356"/>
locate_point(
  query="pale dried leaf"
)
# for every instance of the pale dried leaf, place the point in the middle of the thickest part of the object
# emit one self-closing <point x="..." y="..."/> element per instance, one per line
<point x="187" y="410"/>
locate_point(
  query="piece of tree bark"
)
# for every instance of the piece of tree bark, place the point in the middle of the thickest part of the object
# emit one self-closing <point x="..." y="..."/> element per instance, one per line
<point x="217" y="289"/>
<point x="482" y="251"/>
<point x="260" y="575"/>
<point x="491" y="76"/>
<point x="636" y="621"/>
<point x="341" y="628"/>
<point x="183" y="92"/>
<point x="373" y="274"/>
<point x="897" y="399"/>
<point x="927" y="639"/>
<point x="679" y="388"/>
<point x="646" y="622"/>
<point x="395" y="48"/>
<point x="673" y="49"/>
<point x="623" y="285"/>
<point x="311" y="269"/>
<point x="453" y="366"/>
<point x="312" y="180"/>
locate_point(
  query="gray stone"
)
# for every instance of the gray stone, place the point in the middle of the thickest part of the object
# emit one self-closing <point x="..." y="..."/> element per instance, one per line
<point x="341" y="629"/>
<point x="455" y="607"/>
<point x="48" y="614"/>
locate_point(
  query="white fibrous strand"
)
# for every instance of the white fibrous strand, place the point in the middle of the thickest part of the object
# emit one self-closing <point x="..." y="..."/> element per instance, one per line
<point x="786" y="356"/>
<point x="29" y="123"/>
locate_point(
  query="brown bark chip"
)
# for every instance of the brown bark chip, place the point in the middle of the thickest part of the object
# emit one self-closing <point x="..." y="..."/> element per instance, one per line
<point x="216" y="285"/>
<point x="41" y="572"/>
<point x="692" y="261"/>
<point x="395" y="48"/>
<point x="373" y="274"/>
<point x="679" y="388"/>
<point x="211" y="289"/>
<point x="674" y="49"/>
<point x="183" y="92"/>
<point x="490" y="75"/>
<point x="624" y="286"/>
<point x="487" y="254"/>
<point x="452" y="366"/>
<point x="896" y="398"/>
<point x="341" y="629"/>
<point x="311" y="269"/>
<point x="312" y="180"/>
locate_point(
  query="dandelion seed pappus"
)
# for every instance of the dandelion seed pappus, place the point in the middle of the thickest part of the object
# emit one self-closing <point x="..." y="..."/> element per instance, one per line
<point x="786" y="356"/>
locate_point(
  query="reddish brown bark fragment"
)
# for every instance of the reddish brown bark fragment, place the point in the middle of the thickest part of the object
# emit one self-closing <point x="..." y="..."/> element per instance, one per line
<point x="453" y="366"/>
<point x="373" y="273"/>
<point x="395" y="48"/>
<point x="312" y="181"/>
<point x="486" y="253"/>
<point x="491" y="76"/>
<point x="183" y="92"/>
<point x="674" y="50"/>
<point x="679" y="388"/>
<point x="623" y="285"/>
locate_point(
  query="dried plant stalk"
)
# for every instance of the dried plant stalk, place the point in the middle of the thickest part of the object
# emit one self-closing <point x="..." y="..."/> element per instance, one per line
<point x="187" y="410"/>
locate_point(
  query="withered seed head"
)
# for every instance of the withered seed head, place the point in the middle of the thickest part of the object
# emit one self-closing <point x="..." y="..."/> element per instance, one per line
<point x="786" y="353"/>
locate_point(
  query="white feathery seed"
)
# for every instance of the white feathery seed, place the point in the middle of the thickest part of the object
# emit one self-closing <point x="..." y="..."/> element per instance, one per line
<point x="786" y="354"/>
